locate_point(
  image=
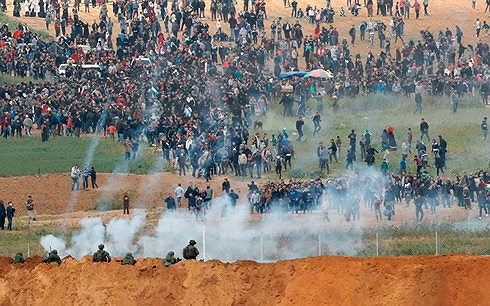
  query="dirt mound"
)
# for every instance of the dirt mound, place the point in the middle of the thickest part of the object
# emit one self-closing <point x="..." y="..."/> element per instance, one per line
<point x="423" y="280"/>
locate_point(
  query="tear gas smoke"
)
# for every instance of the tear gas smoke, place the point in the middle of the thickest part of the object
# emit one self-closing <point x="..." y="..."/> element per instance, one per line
<point x="231" y="234"/>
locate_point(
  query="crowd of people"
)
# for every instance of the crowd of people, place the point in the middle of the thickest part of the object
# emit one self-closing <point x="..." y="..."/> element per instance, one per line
<point x="194" y="93"/>
<point x="376" y="191"/>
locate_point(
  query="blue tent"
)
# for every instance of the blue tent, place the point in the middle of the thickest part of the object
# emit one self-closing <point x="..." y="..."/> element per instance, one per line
<point x="292" y="73"/>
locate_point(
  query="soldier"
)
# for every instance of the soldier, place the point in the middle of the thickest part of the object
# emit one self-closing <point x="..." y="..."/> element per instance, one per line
<point x="18" y="258"/>
<point x="52" y="258"/>
<point x="128" y="260"/>
<point x="170" y="259"/>
<point x="101" y="255"/>
<point x="190" y="251"/>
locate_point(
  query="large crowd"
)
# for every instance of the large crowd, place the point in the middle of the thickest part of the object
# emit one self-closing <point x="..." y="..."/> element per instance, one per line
<point x="379" y="193"/>
<point x="194" y="93"/>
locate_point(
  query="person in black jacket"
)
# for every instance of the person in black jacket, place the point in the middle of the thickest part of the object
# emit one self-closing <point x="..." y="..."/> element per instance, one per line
<point x="10" y="215"/>
<point x="424" y="129"/>
<point x="2" y="215"/>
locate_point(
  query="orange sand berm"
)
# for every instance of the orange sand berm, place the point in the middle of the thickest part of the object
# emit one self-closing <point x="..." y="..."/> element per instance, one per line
<point x="422" y="280"/>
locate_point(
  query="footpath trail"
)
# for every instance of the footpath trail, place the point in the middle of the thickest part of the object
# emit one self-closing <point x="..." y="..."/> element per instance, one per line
<point x="422" y="280"/>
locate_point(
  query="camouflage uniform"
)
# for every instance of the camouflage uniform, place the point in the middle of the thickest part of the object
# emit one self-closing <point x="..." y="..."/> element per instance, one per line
<point x="101" y="255"/>
<point x="190" y="251"/>
<point x="53" y="258"/>
<point x="18" y="258"/>
<point x="170" y="259"/>
<point x="128" y="259"/>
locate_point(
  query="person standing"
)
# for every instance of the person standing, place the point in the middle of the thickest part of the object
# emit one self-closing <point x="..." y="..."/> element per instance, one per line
<point x="75" y="178"/>
<point x="482" y="204"/>
<point x="85" y="175"/>
<point x="31" y="212"/>
<point x="316" y="123"/>
<point x="477" y="27"/>
<point x="426" y="4"/>
<point x="299" y="127"/>
<point x="294" y="9"/>
<point x="93" y="178"/>
<point x="10" y="215"/>
<point x="170" y="201"/>
<point x="2" y="215"/>
<point x="416" y="6"/>
<point x="419" y="212"/>
<point x="179" y="193"/>
<point x="208" y="197"/>
<point x="424" y="129"/>
<point x="484" y="128"/>
<point x="278" y="167"/>
<point x="128" y="146"/>
<point x="126" y="203"/>
<point x="409" y="137"/>
<point x="225" y="187"/>
<point x="377" y="207"/>
<point x="352" y="34"/>
<point x="233" y="198"/>
<point x="333" y="150"/>
<point x="418" y="102"/>
<point x="351" y="156"/>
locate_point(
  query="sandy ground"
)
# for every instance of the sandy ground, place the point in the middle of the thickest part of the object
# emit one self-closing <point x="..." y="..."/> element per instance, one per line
<point x="52" y="193"/>
<point x="422" y="280"/>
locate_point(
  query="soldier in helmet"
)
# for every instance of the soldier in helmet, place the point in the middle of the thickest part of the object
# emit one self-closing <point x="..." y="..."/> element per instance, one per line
<point x="18" y="258"/>
<point x="190" y="251"/>
<point x="101" y="255"/>
<point x="170" y="259"/>
<point x="128" y="259"/>
<point x="53" y="258"/>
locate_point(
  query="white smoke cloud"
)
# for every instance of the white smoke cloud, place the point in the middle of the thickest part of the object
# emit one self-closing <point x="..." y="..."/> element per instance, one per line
<point x="230" y="234"/>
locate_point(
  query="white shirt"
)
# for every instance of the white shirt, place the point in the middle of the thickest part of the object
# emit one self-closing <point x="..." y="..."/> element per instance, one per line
<point x="179" y="191"/>
<point x="75" y="172"/>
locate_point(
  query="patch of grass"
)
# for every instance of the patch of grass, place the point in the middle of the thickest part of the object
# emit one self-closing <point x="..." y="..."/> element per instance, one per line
<point x="407" y="240"/>
<point x="8" y="79"/>
<point x="30" y="156"/>
<point x="24" y="238"/>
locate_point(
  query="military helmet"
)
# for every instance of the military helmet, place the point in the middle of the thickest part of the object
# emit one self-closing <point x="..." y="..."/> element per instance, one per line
<point x="129" y="254"/>
<point x="55" y="252"/>
<point x="192" y="242"/>
<point x="101" y="246"/>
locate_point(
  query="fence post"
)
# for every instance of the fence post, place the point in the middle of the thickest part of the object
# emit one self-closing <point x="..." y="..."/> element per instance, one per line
<point x="261" y="248"/>
<point x="437" y="244"/>
<point x="377" y="245"/>
<point x="319" y="245"/>
<point x="204" y="241"/>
